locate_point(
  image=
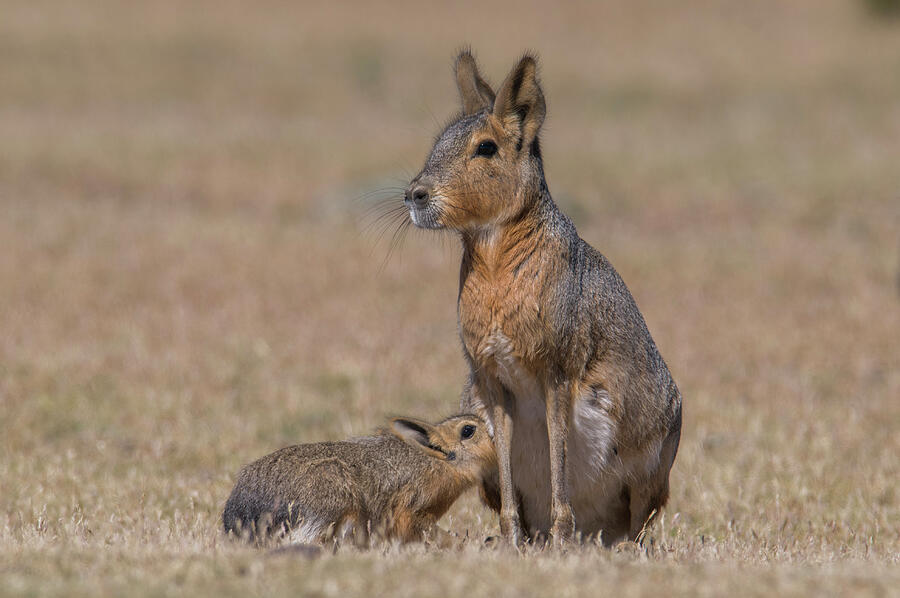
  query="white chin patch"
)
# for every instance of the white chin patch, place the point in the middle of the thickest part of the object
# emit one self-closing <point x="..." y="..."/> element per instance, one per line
<point x="423" y="218"/>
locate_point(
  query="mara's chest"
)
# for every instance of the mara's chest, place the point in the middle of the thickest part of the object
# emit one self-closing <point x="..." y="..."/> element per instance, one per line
<point x="502" y="324"/>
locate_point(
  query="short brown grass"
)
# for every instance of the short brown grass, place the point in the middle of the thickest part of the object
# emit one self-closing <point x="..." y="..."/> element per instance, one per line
<point x="186" y="282"/>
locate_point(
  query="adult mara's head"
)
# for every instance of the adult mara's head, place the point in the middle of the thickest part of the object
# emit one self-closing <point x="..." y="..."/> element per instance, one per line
<point x="485" y="167"/>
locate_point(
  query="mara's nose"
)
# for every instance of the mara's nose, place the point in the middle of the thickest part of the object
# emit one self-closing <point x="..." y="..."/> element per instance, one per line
<point x="418" y="195"/>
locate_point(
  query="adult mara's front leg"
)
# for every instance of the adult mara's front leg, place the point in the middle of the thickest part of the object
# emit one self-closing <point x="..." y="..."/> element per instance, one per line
<point x="559" y="418"/>
<point x="500" y="403"/>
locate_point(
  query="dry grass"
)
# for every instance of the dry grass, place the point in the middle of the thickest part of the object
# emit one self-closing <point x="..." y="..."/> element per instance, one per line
<point x="185" y="282"/>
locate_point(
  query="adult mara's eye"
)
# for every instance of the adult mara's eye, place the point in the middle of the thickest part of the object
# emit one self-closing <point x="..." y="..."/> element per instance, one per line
<point x="467" y="431"/>
<point x="486" y="149"/>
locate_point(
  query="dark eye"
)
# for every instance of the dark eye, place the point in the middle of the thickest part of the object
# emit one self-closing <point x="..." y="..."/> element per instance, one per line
<point x="486" y="149"/>
<point x="467" y="431"/>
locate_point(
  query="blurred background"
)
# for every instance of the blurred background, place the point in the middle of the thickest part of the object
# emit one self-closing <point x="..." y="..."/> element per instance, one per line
<point x="193" y="272"/>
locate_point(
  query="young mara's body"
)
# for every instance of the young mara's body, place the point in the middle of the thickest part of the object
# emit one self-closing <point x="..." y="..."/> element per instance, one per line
<point x="585" y="416"/>
<point x="397" y="483"/>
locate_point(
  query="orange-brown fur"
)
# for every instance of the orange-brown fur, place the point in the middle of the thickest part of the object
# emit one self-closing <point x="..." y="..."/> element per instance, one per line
<point x="559" y="352"/>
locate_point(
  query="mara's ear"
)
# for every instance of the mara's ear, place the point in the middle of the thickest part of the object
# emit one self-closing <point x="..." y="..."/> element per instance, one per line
<point x="416" y="434"/>
<point x="475" y="93"/>
<point x="520" y="101"/>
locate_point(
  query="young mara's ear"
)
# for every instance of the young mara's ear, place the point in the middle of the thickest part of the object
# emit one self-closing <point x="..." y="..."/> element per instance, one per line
<point x="475" y="93"/>
<point x="520" y="101"/>
<point x="417" y="434"/>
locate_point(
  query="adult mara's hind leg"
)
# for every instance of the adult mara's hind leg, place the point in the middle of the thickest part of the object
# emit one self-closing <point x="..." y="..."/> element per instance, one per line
<point x="648" y="497"/>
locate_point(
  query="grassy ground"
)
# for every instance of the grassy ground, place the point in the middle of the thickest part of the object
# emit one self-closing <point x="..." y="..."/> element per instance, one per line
<point x="187" y="280"/>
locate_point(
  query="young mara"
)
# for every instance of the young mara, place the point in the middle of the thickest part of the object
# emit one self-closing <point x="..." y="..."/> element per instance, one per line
<point x="397" y="483"/>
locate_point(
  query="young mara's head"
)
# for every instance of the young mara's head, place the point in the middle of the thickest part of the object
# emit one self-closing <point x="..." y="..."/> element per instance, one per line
<point x="461" y="441"/>
<point x="485" y="167"/>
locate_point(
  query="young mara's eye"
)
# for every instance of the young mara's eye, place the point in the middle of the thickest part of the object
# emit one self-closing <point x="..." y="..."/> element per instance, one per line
<point x="486" y="149"/>
<point x="467" y="431"/>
